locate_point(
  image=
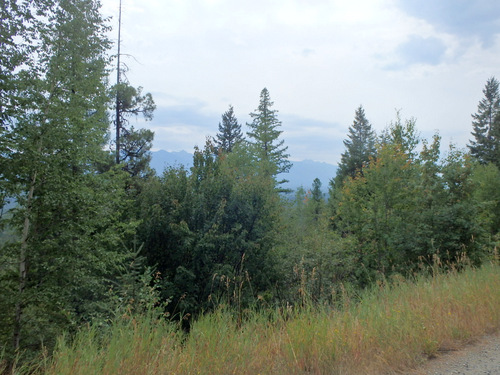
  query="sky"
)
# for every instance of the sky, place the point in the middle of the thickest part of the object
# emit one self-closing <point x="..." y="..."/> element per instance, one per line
<point x="319" y="59"/>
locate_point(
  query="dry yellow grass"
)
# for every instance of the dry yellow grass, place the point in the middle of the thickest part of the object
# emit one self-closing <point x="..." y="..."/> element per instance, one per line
<point x="392" y="328"/>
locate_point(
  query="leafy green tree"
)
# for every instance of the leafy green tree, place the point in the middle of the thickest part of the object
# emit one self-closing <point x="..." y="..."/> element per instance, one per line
<point x="17" y="25"/>
<point x="312" y="261"/>
<point x="264" y="135"/>
<point x="458" y="226"/>
<point x="16" y="20"/>
<point x="409" y="207"/>
<point x="486" y="178"/>
<point x="229" y="132"/>
<point x="68" y="215"/>
<point x="402" y="134"/>
<point x="486" y="126"/>
<point x="211" y="231"/>
<point x="372" y="209"/>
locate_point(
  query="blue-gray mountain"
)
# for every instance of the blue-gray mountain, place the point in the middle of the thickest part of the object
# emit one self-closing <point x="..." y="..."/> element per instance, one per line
<point x="302" y="173"/>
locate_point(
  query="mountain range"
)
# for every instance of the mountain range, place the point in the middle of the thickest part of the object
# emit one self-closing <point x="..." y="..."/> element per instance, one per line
<point x="302" y="172"/>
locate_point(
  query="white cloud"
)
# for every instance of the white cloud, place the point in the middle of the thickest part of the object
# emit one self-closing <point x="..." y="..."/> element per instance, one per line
<point x="320" y="59"/>
<point x="468" y="19"/>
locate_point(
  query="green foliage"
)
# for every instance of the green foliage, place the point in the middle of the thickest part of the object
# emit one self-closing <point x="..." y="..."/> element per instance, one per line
<point x="264" y="135"/>
<point x="229" y="132"/>
<point x="314" y="263"/>
<point x="68" y="218"/>
<point x="360" y="149"/>
<point x="402" y="134"/>
<point x="486" y="180"/>
<point x="85" y="238"/>
<point x="486" y="126"/>
<point x="132" y="102"/>
<point x="317" y="201"/>
<point x="134" y="145"/>
<point x="406" y="208"/>
<point x="210" y="231"/>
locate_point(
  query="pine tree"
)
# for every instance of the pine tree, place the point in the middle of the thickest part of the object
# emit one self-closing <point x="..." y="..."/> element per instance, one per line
<point x="134" y="144"/>
<point x="359" y="147"/>
<point x="268" y="149"/>
<point x="486" y="126"/>
<point x="229" y="132"/>
<point x="317" y="200"/>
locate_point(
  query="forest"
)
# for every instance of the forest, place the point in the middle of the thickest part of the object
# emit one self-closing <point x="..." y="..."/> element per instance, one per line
<point x="89" y="232"/>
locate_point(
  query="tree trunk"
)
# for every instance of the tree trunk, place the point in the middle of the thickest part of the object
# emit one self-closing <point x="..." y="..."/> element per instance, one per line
<point x="22" y="266"/>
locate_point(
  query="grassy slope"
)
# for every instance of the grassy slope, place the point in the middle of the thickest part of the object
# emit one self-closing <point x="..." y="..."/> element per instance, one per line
<point x="393" y="328"/>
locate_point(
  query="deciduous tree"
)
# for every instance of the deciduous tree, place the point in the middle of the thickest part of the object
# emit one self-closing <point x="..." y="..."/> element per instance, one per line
<point x="211" y="231"/>
<point x="408" y="206"/>
<point x="68" y="215"/>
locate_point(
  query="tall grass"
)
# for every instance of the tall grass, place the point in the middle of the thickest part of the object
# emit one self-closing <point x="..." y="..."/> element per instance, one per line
<point x="392" y="327"/>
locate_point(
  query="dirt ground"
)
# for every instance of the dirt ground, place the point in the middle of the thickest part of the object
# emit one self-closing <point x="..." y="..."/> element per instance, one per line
<point x="479" y="358"/>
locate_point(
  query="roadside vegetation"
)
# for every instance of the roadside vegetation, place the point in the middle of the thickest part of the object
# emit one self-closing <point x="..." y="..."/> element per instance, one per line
<point x="391" y="327"/>
<point x="107" y="267"/>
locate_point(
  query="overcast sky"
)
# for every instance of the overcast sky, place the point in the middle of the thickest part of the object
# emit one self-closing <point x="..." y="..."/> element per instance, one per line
<point x="319" y="59"/>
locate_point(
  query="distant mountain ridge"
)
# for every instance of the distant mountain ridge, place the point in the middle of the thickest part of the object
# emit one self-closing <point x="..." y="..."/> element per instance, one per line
<point x="162" y="159"/>
<point x="302" y="173"/>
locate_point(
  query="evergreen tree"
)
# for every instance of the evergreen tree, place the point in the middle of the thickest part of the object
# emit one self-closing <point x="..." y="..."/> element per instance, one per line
<point x="486" y="126"/>
<point x="268" y="149"/>
<point x="360" y="147"/>
<point x="210" y="231"/>
<point x="229" y="132"/>
<point x="316" y="202"/>
<point x="134" y="144"/>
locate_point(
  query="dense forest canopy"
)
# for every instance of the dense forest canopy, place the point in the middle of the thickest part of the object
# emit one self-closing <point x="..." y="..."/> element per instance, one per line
<point x="90" y="233"/>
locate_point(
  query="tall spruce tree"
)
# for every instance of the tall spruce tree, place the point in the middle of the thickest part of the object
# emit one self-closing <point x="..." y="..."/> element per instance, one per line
<point x="316" y="202"/>
<point x="264" y="135"/>
<point x="360" y="146"/>
<point x="486" y="126"/>
<point x="229" y="132"/>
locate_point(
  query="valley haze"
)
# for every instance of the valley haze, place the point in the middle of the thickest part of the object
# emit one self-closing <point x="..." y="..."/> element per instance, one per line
<point x="302" y="173"/>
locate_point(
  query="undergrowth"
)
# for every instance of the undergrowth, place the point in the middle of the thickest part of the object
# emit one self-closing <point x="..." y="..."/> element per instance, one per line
<point x="394" y="326"/>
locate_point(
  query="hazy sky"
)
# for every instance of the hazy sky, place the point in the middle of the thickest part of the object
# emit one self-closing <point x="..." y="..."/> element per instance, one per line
<point x="319" y="59"/>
